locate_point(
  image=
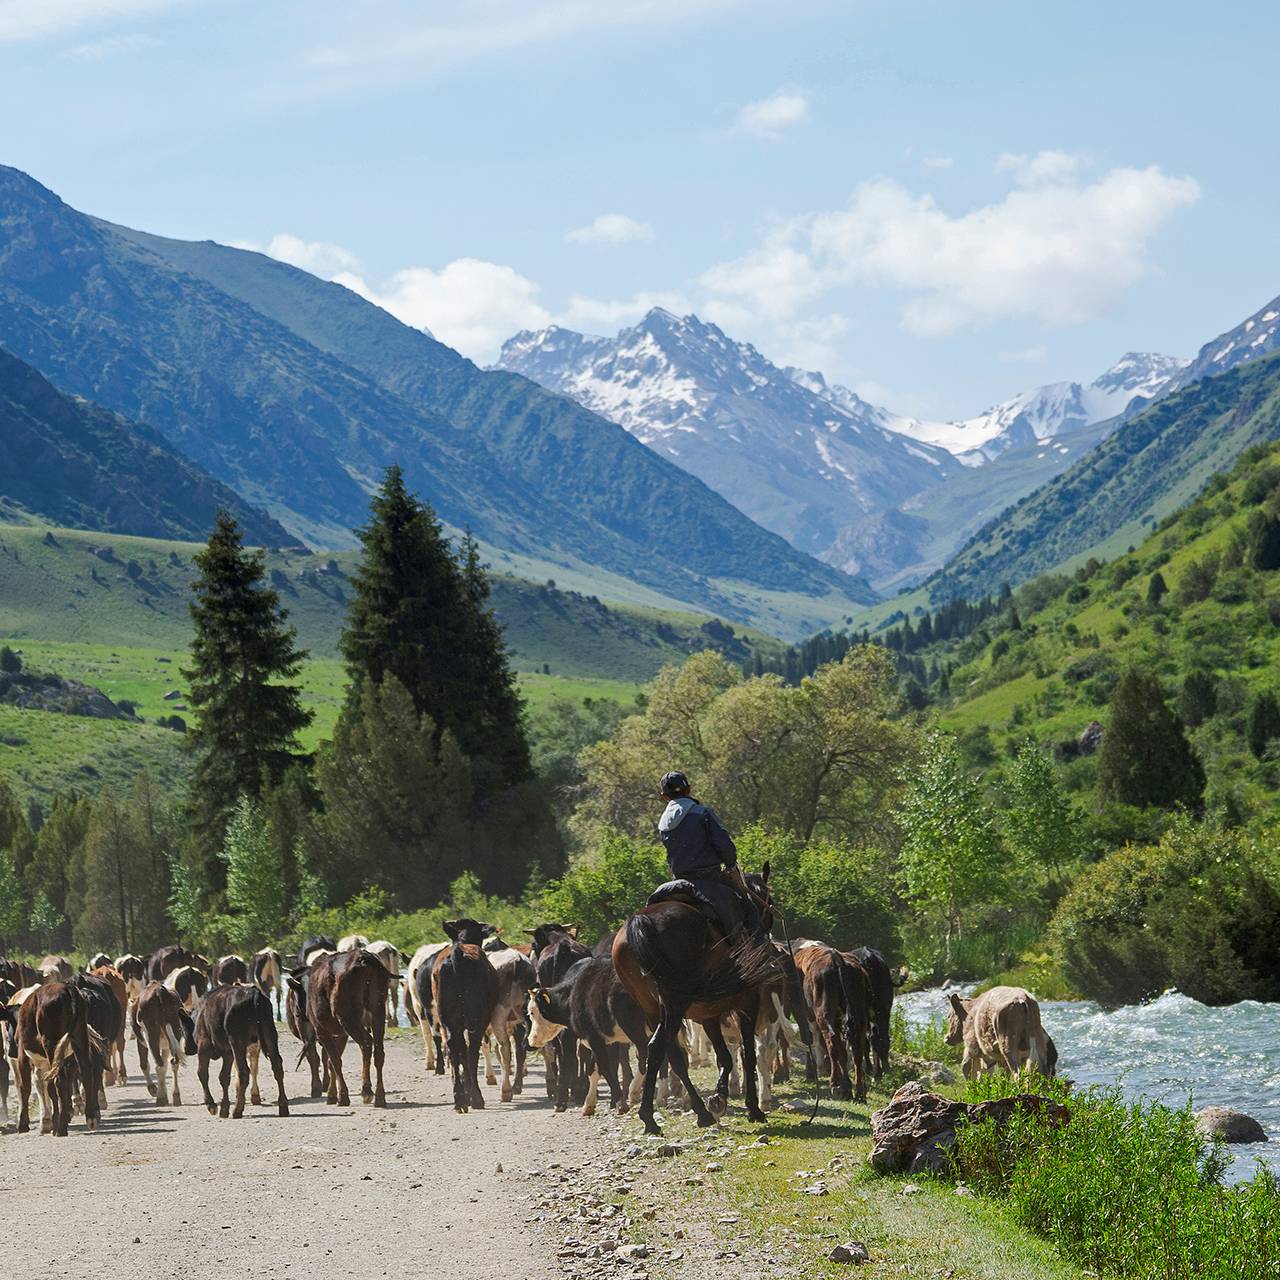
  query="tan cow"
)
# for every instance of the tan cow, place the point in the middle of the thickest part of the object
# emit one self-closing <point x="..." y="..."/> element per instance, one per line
<point x="1000" y="1031"/>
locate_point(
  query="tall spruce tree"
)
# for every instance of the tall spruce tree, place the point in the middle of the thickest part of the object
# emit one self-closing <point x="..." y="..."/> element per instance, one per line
<point x="420" y="613"/>
<point x="1145" y="757"/>
<point x="248" y="714"/>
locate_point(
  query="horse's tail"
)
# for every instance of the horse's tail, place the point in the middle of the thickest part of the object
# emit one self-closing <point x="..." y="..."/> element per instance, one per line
<point x="745" y="965"/>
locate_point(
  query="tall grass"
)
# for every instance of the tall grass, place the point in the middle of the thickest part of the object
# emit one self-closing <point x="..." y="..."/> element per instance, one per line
<point x="1123" y="1189"/>
<point x="926" y="1040"/>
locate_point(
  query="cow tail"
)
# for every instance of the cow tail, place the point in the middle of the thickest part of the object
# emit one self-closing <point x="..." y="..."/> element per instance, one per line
<point x="63" y="1052"/>
<point x="175" y="1045"/>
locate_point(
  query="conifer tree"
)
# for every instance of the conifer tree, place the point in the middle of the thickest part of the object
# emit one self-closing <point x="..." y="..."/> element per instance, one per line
<point x="1157" y="588"/>
<point x="1264" y="723"/>
<point x="248" y="714"/>
<point x="420" y="613"/>
<point x="1145" y="757"/>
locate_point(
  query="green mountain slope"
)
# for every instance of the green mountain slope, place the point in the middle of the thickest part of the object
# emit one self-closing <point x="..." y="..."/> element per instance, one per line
<point x="72" y="463"/>
<point x="1107" y="501"/>
<point x="1054" y="674"/>
<point x="297" y="393"/>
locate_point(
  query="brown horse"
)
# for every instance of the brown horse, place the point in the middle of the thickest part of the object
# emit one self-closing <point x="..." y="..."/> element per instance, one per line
<point x="677" y="964"/>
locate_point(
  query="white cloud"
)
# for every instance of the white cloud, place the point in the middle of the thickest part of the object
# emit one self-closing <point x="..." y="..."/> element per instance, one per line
<point x="470" y="305"/>
<point x="1036" y="354"/>
<point x="771" y="117"/>
<point x="35" y="19"/>
<point x="459" y="31"/>
<point x="937" y="162"/>
<point x="317" y="256"/>
<point x="1059" y="252"/>
<point x="601" y="315"/>
<point x="1043" y="167"/>
<point x="111" y="47"/>
<point x="611" y="228"/>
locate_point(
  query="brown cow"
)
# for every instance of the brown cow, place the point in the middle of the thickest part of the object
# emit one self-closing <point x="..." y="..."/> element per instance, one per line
<point x="53" y="1042"/>
<point x="228" y="970"/>
<point x="831" y="991"/>
<point x="160" y="1022"/>
<point x="515" y="980"/>
<point x="56" y="969"/>
<point x="1000" y="1031"/>
<point x="344" y="996"/>
<point x="117" y="1073"/>
<point x="295" y="1007"/>
<point x="232" y="1023"/>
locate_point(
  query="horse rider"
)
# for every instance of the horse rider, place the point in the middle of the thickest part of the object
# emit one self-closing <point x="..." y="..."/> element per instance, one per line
<point x="702" y="852"/>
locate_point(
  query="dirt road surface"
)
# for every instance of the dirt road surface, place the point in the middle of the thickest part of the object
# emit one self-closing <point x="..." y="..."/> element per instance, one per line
<point x="412" y="1191"/>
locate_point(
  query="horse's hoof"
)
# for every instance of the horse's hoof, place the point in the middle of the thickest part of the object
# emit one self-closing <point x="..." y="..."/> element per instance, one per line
<point x="717" y="1105"/>
<point x="757" y="1116"/>
<point x="706" y="1120"/>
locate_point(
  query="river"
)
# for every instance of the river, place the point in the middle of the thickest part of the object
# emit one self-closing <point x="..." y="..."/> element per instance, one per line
<point x="1170" y="1050"/>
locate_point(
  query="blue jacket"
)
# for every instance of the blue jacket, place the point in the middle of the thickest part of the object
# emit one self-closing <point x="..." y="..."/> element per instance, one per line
<point x="694" y="839"/>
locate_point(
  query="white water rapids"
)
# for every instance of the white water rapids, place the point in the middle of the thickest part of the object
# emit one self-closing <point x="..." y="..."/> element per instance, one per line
<point x="1169" y="1050"/>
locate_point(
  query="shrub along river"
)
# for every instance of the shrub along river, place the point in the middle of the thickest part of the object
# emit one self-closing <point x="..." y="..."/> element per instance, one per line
<point x="1169" y="1050"/>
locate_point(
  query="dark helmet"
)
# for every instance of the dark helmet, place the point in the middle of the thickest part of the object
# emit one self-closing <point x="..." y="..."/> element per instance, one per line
<point x="675" y="784"/>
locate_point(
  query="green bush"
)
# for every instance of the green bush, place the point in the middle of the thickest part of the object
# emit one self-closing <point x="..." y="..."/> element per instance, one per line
<point x="1122" y="1189"/>
<point x="603" y="888"/>
<point x="1199" y="911"/>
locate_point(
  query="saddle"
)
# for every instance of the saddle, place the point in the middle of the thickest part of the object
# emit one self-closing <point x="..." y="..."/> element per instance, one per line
<point x="688" y="892"/>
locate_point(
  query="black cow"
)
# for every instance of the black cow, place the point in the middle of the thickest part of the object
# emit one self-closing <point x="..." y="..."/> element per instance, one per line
<point x="590" y="1004"/>
<point x="228" y="970"/>
<point x="882" y="986"/>
<point x="555" y="950"/>
<point x="231" y="1024"/>
<point x="164" y="960"/>
<point x="317" y="943"/>
<point x="465" y="987"/>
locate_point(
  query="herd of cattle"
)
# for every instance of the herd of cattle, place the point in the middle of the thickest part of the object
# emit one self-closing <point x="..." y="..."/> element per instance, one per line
<point x="475" y="993"/>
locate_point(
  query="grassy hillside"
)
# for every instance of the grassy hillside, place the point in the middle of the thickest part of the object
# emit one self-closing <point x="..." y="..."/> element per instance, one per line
<point x="1079" y="632"/>
<point x="111" y="611"/>
<point x="1115" y="495"/>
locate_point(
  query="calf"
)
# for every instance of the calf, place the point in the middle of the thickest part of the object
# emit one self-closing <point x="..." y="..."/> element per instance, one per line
<point x="555" y="950"/>
<point x="116" y="1071"/>
<point x="161" y="1024"/>
<point x="824" y="977"/>
<point x="266" y="971"/>
<point x="133" y="969"/>
<point x="883" y="983"/>
<point x="228" y="970"/>
<point x="345" y="996"/>
<point x="164" y="960"/>
<point x="56" y="969"/>
<point x="296" y="1015"/>
<point x="391" y="958"/>
<point x="420" y="994"/>
<point x="312" y="946"/>
<point x="464" y="993"/>
<point x="52" y="1041"/>
<point x="590" y="1004"/>
<point x="233" y="1023"/>
<point x="516" y="977"/>
<point x="1000" y="1030"/>
<point x="188" y="984"/>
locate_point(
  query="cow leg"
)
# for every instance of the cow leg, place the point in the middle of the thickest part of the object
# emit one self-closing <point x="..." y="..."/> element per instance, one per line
<point x="140" y="1035"/>
<point x="566" y="1068"/>
<point x="202" y="1074"/>
<point x="159" y="1090"/>
<point x="747" y="1029"/>
<point x="241" y="1054"/>
<point x="312" y="1056"/>
<point x="458" y="1064"/>
<point x="22" y="1068"/>
<point x="122" y="1070"/>
<point x="4" y="1089"/>
<point x="338" y="1093"/>
<point x="504" y="1052"/>
<point x="365" y="1041"/>
<point x="224" y="1080"/>
<point x="551" y="1068"/>
<point x="714" y="1032"/>
<point x="255" y="1095"/>
<point x="428" y="1047"/>
<point x="473" y="1069"/>
<point x="489" y="1077"/>
<point x="89" y="1061"/>
<point x="521" y="1037"/>
<point x="379" y="1058"/>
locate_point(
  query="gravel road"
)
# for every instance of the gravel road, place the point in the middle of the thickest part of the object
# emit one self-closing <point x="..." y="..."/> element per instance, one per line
<point x="414" y="1190"/>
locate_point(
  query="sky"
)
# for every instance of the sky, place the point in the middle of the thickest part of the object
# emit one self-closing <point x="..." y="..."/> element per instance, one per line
<point x="935" y="202"/>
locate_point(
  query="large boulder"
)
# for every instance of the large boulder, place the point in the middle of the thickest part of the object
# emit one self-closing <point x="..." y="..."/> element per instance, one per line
<point x="1230" y="1126"/>
<point x="1090" y="739"/>
<point x="917" y="1130"/>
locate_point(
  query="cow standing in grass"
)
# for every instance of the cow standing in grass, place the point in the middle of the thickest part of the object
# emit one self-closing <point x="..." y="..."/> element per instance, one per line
<point x="465" y="991"/>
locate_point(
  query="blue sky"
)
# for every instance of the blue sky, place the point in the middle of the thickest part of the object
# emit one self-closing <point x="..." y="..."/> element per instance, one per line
<point x="937" y="202"/>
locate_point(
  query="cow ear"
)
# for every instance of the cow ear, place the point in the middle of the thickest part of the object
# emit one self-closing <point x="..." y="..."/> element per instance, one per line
<point x="572" y="931"/>
<point x="487" y="931"/>
<point x="528" y="933"/>
<point x="451" y="928"/>
<point x="405" y="957"/>
<point x="958" y="1004"/>
<point x="764" y="873"/>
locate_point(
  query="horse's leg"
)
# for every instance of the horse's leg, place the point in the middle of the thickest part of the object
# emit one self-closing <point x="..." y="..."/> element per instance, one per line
<point x="747" y="1028"/>
<point x="657" y="1053"/>
<point x="719" y="1101"/>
